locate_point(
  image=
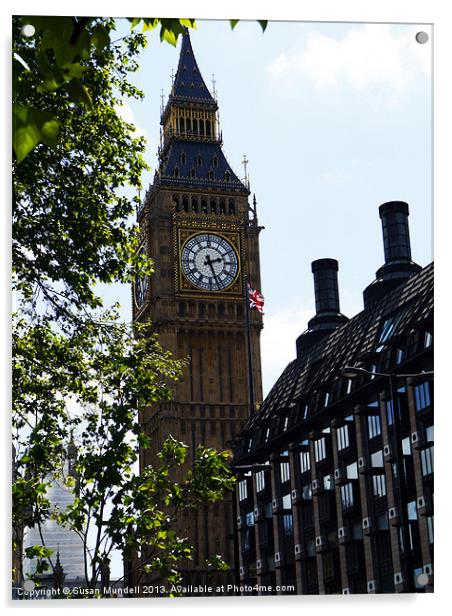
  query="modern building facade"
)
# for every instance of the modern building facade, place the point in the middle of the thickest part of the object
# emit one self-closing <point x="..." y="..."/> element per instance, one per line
<point x="202" y="233"/>
<point x="335" y="471"/>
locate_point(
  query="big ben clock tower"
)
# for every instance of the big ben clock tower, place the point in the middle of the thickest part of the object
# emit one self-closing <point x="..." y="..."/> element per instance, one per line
<point x="198" y="227"/>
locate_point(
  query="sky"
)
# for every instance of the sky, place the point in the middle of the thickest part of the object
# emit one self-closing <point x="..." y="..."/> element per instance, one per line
<point x="334" y="119"/>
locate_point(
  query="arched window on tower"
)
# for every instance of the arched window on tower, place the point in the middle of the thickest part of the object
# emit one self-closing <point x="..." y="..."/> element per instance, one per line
<point x="188" y="125"/>
<point x="222" y="206"/>
<point x="204" y="205"/>
<point x="201" y="127"/>
<point x="176" y="172"/>
<point x="182" y="125"/>
<point x="227" y="176"/>
<point x="199" y="160"/>
<point x="232" y="207"/>
<point x="213" y="206"/>
<point x="193" y="173"/>
<point x="176" y="203"/>
<point x="185" y="203"/>
<point x="194" y="204"/>
<point x="211" y="175"/>
<point x="195" y="126"/>
<point x="215" y="161"/>
<point x="208" y="128"/>
<point x="183" y="158"/>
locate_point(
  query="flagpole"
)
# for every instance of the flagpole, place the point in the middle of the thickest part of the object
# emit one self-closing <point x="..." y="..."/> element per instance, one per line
<point x="251" y="401"/>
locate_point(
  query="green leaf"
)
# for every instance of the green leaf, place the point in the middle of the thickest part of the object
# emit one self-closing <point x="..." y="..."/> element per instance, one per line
<point x="31" y="127"/>
<point x="188" y="23"/>
<point x="168" y="36"/>
<point x="263" y="23"/>
<point x="150" y="24"/>
<point x="79" y="93"/>
<point x="233" y="23"/>
<point x="100" y="38"/>
<point x="74" y="70"/>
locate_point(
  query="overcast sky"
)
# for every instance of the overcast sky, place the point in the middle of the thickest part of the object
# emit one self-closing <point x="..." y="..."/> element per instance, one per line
<point x="334" y="119"/>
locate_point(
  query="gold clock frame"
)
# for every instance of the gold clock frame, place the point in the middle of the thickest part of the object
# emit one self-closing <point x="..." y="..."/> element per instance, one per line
<point x="188" y="228"/>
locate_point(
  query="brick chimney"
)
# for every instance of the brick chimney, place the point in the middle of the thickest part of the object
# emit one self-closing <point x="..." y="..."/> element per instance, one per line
<point x="398" y="266"/>
<point x="328" y="316"/>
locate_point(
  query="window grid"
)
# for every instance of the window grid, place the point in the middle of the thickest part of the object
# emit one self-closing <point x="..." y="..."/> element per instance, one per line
<point x="347" y="495"/>
<point x="342" y="438"/>
<point x="243" y="490"/>
<point x="285" y="472"/>
<point x="260" y="481"/>
<point x="427" y="461"/>
<point x="374" y="425"/>
<point x="320" y="449"/>
<point x="389" y="412"/>
<point x="379" y="485"/>
<point x="305" y="461"/>
<point x="422" y="396"/>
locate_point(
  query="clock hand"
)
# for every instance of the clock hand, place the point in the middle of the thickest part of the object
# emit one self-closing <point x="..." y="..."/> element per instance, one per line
<point x="210" y="263"/>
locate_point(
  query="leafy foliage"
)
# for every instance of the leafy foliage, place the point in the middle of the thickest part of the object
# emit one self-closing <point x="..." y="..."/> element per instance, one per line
<point x="80" y="377"/>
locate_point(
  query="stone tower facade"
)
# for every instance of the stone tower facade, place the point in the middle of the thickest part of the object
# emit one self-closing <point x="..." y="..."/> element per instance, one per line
<point x="202" y="233"/>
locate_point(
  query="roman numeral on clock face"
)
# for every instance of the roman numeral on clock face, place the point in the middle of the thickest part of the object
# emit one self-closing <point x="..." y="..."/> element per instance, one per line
<point x="209" y="262"/>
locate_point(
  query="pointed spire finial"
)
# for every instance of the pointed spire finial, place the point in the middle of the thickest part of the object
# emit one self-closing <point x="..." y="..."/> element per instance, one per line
<point x="214" y="83"/>
<point x="245" y="162"/>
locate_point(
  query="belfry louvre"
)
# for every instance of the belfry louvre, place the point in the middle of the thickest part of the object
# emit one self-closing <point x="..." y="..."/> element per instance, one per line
<point x="335" y="471"/>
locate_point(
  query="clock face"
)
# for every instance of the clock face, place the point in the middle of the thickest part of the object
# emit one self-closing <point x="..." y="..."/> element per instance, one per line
<point x="209" y="262"/>
<point x="141" y="289"/>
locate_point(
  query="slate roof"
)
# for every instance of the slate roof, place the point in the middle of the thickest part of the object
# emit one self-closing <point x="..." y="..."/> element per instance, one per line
<point x="212" y="161"/>
<point x="318" y="366"/>
<point x="188" y="83"/>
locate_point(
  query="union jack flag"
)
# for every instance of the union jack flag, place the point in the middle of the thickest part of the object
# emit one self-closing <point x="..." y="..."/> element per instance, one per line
<point x="256" y="299"/>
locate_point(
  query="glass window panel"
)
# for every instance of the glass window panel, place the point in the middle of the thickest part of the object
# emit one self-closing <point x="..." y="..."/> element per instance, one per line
<point x="287" y="501"/>
<point x="352" y="471"/>
<point x="427" y="461"/>
<point x="376" y="459"/>
<point x="389" y="412"/>
<point x="379" y="485"/>
<point x="430" y="529"/>
<point x="249" y="519"/>
<point x="305" y="462"/>
<point x="307" y="492"/>
<point x="285" y="472"/>
<point x="328" y="482"/>
<point x="287" y="525"/>
<point x="347" y="495"/>
<point x="374" y="425"/>
<point x="260" y="481"/>
<point x="406" y="446"/>
<point x="412" y="510"/>
<point x="242" y="490"/>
